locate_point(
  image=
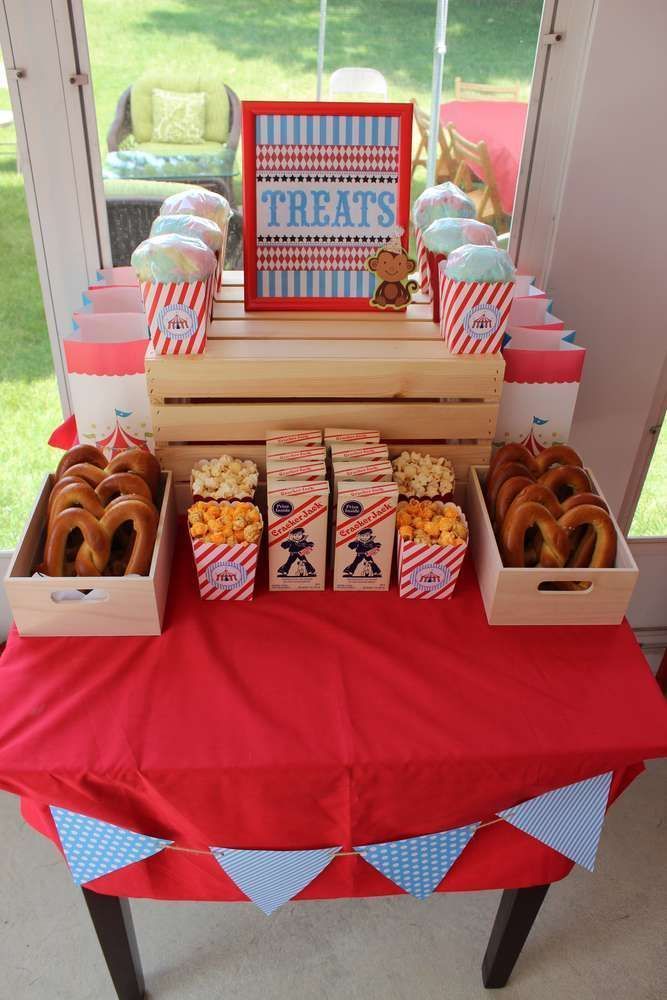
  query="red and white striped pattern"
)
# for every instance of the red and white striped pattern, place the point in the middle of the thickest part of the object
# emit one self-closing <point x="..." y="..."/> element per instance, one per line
<point x="428" y="571"/>
<point x="462" y="301"/>
<point x="422" y="263"/>
<point x="225" y="572"/>
<point x="193" y="295"/>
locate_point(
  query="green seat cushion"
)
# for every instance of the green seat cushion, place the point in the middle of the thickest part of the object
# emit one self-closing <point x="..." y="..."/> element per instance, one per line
<point x="193" y="149"/>
<point x="217" y="103"/>
<point x="129" y="190"/>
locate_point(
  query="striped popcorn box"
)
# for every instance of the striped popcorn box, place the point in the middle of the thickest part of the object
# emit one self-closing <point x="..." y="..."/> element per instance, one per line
<point x="474" y="314"/>
<point x="428" y="570"/>
<point x="225" y="572"/>
<point x="422" y="263"/>
<point x="177" y="314"/>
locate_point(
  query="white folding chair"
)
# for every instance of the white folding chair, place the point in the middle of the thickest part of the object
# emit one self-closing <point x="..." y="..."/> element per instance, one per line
<point x="349" y="81"/>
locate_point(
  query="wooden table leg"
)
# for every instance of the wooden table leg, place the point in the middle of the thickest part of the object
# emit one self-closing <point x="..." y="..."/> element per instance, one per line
<point x="516" y="913"/>
<point x="113" y="925"/>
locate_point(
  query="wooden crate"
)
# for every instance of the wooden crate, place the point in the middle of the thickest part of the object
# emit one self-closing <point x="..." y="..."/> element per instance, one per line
<point x="511" y="595"/>
<point x="131" y="606"/>
<point x="389" y="371"/>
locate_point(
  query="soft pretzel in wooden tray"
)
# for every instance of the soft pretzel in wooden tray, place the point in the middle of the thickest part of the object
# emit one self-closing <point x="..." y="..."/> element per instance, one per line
<point x="544" y="511"/>
<point x="102" y="518"/>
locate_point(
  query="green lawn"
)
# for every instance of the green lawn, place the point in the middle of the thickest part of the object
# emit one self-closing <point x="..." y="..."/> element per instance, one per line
<point x="265" y="49"/>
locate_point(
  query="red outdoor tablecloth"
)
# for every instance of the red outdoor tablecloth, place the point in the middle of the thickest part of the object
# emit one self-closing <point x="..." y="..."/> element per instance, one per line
<point x="501" y="125"/>
<point x="308" y="720"/>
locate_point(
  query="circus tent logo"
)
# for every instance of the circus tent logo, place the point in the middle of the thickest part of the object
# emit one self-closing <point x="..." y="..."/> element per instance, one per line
<point x="120" y="439"/>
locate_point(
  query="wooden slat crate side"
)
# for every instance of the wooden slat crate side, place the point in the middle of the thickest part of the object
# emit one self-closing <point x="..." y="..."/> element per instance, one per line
<point x="179" y="459"/>
<point x="357" y="370"/>
<point x="244" y="421"/>
<point x="255" y="327"/>
<point x="232" y="308"/>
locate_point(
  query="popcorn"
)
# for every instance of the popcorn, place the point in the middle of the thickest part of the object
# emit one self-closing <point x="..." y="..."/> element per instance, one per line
<point x="224" y="478"/>
<point x="225" y="523"/>
<point x="419" y="475"/>
<point x="431" y="522"/>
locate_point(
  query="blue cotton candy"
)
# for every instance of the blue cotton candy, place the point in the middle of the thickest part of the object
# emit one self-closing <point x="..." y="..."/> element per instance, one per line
<point x="173" y="258"/>
<point x="446" y="235"/>
<point x="475" y="263"/>
<point x="444" y="201"/>
<point x="189" y="225"/>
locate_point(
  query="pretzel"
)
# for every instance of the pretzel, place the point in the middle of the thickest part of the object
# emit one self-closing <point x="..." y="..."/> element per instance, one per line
<point x="604" y="549"/>
<point x="495" y="479"/>
<point x="75" y="494"/>
<point x="557" y="454"/>
<point x="537" y="493"/>
<point x="95" y="539"/>
<point x="144" y="520"/>
<point x="140" y="462"/>
<point x="122" y="484"/>
<point x="505" y="496"/>
<point x="94" y="553"/>
<point x="90" y="464"/>
<point x="81" y="453"/>
<point x="515" y="453"/>
<point x="583" y="540"/>
<point x="60" y="486"/>
<point x="555" y="543"/>
<point x="563" y="477"/>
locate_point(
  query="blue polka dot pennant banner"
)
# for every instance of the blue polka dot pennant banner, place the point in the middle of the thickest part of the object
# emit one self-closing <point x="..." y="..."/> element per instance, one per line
<point x="271" y="878"/>
<point x="419" y="864"/>
<point x="94" y="848"/>
<point x="569" y="819"/>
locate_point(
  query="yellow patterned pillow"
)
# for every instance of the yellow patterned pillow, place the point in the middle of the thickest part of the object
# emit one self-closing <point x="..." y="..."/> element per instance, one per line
<point x="178" y="118"/>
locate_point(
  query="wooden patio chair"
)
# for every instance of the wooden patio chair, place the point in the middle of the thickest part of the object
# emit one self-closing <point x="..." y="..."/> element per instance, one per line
<point x="467" y="91"/>
<point x="445" y="167"/>
<point x="480" y="184"/>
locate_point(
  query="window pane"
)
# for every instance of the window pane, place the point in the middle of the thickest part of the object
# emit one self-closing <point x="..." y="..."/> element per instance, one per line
<point x="29" y="404"/>
<point x="651" y="514"/>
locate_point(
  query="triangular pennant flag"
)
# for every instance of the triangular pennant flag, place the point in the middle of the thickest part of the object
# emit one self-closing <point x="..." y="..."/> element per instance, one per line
<point x="419" y="864"/>
<point x="87" y="302"/>
<point x="569" y="819"/>
<point x="93" y="847"/>
<point x="271" y="878"/>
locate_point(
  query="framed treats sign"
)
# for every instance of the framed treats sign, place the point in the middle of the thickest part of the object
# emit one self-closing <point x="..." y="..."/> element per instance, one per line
<point x="326" y="188"/>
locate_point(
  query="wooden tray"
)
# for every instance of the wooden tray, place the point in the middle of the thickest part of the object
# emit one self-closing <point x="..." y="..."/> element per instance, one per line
<point x="131" y="606"/>
<point x="511" y="596"/>
<point x="300" y="370"/>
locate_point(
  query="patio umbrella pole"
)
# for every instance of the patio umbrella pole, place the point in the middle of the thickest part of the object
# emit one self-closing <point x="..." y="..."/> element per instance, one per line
<point x="439" y="50"/>
<point x="320" y="48"/>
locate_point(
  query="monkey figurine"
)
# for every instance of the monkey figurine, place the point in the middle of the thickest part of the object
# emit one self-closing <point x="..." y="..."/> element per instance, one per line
<point x="392" y="265"/>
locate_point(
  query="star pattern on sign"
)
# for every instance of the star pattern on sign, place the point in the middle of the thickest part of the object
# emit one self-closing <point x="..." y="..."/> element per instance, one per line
<point x="323" y="178"/>
<point x="305" y="240"/>
<point x="419" y="864"/>
<point x="93" y="847"/>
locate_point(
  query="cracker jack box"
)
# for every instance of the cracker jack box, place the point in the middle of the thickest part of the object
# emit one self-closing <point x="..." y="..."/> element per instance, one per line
<point x="303" y="438"/>
<point x="364" y="539"/>
<point x="379" y="471"/>
<point x="296" y="453"/>
<point x="225" y="572"/>
<point x="345" y="451"/>
<point x="305" y="471"/>
<point x="428" y="571"/>
<point x="332" y="434"/>
<point x="297" y="533"/>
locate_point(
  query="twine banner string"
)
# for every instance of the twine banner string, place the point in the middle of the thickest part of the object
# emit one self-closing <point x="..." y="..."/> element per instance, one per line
<point x="341" y="854"/>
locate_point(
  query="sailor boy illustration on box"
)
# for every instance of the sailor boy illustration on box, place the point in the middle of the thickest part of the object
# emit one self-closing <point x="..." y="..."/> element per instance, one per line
<point x="299" y="547"/>
<point x="364" y="545"/>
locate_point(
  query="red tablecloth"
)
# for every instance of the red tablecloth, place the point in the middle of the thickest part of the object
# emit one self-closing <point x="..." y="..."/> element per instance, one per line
<point x="307" y="720"/>
<point x="501" y="125"/>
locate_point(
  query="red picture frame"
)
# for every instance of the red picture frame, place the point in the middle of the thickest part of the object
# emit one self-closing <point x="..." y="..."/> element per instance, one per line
<point x="283" y="114"/>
